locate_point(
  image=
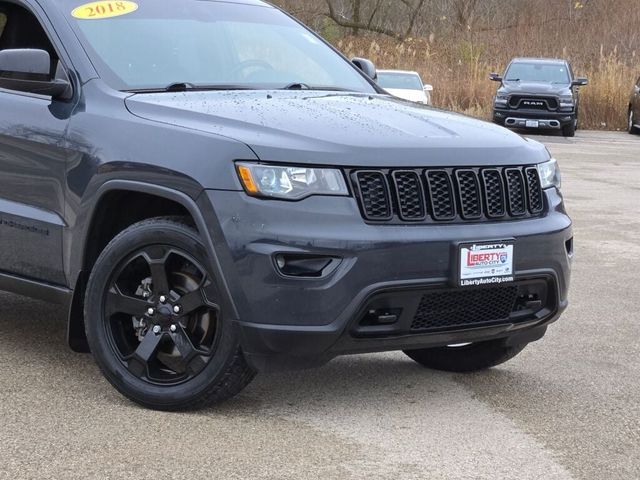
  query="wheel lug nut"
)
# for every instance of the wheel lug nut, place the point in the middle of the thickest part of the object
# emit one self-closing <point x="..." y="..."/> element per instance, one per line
<point x="150" y="311"/>
<point x="173" y="328"/>
<point x="157" y="329"/>
<point x="163" y="299"/>
<point x="177" y="309"/>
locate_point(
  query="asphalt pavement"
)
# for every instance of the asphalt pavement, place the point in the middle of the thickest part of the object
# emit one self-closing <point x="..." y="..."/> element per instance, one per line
<point x="567" y="408"/>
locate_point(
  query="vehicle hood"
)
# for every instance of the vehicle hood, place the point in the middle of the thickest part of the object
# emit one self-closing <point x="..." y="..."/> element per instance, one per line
<point x="534" y="88"/>
<point x="342" y="129"/>
<point x="406" y="94"/>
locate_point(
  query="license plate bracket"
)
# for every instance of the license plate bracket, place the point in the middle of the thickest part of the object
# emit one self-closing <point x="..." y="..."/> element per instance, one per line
<point x="486" y="263"/>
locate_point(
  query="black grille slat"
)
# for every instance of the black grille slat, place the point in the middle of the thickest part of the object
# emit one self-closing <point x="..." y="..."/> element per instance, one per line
<point x="516" y="194"/>
<point x="449" y="309"/>
<point x="409" y="195"/>
<point x="494" y="193"/>
<point x="435" y="195"/>
<point x="441" y="195"/>
<point x="374" y="193"/>
<point x="469" y="194"/>
<point x="534" y="190"/>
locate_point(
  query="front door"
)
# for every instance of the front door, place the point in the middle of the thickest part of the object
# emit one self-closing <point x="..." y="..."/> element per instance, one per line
<point x="32" y="164"/>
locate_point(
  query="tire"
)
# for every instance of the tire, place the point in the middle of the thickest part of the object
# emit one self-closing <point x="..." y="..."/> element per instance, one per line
<point x="468" y="358"/>
<point x="182" y="355"/>
<point x="569" y="130"/>
<point x="631" y="128"/>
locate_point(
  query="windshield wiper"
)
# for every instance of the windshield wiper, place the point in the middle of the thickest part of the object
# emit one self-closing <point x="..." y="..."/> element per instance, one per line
<point x="188" y="87"/>
<point x="191" y="87"/>
<point x="305" y="86"/>
<point x="513" y="79"/>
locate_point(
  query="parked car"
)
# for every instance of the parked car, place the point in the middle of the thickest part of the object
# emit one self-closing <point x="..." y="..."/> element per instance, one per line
<point x="406" y="85"/>
<point x="211" y="190"/>
<point x="538" y="93"/>
<point x="634" y="109"/>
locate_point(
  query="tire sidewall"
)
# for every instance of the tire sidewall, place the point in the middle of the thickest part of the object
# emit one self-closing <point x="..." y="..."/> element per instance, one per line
<point x="136" y="237"/>
<point x="569" y="130"/>
<point x="468" y="358"/>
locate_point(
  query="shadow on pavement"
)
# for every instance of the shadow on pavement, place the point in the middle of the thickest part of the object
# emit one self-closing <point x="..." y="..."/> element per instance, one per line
<point x="35" y="338"/>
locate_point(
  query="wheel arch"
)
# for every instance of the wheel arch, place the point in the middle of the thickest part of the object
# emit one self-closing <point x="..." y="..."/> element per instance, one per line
<point x="98" y="234"/>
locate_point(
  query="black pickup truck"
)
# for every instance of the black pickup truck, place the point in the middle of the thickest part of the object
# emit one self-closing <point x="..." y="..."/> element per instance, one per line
<point x="538" y="93"/>
<point x="211" y="190"/>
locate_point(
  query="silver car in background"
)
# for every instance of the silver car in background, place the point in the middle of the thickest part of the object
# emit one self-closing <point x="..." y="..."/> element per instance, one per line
<point x="406" y="85"/>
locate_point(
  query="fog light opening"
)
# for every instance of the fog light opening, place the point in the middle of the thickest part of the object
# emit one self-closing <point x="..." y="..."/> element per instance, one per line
<point x="529" y="302"/>
<point x="305" y="266"/>
<point x="381" y="316"/>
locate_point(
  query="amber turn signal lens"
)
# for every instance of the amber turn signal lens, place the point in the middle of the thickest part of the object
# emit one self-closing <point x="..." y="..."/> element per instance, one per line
<point x="247" y="179"/>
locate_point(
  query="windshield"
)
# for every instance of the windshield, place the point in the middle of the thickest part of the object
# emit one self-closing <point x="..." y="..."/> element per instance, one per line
<point x="152" y="44"/>
<point x="537" y="72"/>
<point x="400" y="81"/>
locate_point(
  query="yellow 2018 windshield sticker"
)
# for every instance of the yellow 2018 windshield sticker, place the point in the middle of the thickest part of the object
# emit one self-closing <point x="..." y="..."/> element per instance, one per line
<point x="104" y="9"/>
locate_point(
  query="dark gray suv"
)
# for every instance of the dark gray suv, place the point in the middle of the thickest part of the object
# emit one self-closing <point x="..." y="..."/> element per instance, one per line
<point x="538" y="93"/>
<point x="211" y="190"/>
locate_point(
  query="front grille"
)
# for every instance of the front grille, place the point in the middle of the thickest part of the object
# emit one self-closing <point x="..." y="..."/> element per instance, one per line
<point x="411" y="204"/>
<point x="374" y="194"/>
<point x="447" y="309"/>
<point x="494" y="193"/>
<point x="448" y="195"/>
<point x="470" y="197"/>
<point x="441" y="195"/>
<point x="533" y="103"/>
<point x="517" y="196"/>
<point x="534" y="190"/>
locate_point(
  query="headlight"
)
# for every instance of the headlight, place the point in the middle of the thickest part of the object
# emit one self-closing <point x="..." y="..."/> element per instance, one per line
<point x="290" y="183"/>
<point x="566" y="103"/>
<point x="501" y="100"/>
<point x="550" y="174"/>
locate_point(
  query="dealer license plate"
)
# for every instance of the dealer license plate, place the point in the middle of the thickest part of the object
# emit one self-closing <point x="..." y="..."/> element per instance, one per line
<point x="532" y="124"/>
<point x="486" y="264"/>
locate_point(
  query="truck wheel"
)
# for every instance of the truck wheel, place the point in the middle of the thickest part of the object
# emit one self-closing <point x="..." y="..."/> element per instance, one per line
<point x="466" y="358"/>
<point x="569" y="130"/>
<point x="155" y="323"/>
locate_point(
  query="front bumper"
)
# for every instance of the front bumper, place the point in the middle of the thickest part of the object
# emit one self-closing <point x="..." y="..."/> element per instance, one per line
<point x="546" y="119"/>
<point x="287" y="323"/>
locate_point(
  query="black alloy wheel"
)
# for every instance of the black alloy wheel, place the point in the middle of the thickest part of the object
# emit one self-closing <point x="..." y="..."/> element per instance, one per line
<point x="159" y="320"/>
<point x="155" y="323"/>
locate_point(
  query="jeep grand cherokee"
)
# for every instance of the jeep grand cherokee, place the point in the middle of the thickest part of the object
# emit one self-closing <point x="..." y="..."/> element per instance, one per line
<point x="211" y="190"/>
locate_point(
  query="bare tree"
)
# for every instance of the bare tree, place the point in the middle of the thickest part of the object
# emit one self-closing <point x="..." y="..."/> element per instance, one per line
<point x="465" y="13"/>
<point x="373" y="16"/>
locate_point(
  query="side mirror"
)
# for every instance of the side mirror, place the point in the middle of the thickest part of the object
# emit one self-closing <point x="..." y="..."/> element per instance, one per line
<point x="580" y="82"/>
<point x="428" y="88"/>
<point x="28" y="70"/>
<point x="366" y="66"/>
<point x="495" y="77"/>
